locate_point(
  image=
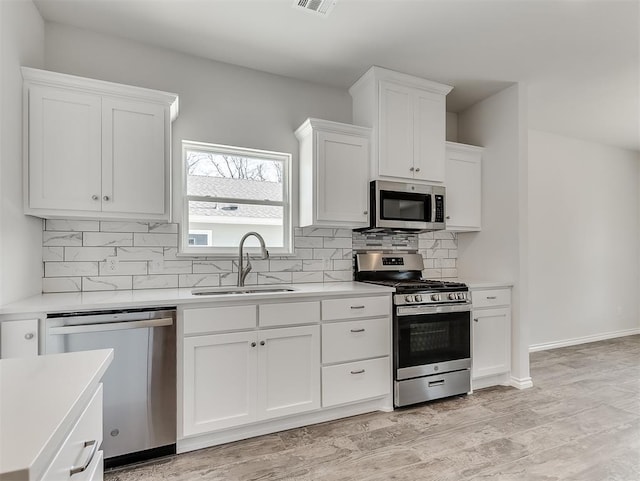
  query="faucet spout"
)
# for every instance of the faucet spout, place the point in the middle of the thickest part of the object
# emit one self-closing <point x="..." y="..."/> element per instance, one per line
<point x="244" y="271"/>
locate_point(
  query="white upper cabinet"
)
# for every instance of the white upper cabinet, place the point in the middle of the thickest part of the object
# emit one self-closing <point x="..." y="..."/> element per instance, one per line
<point x="96" y="149"/>
<point x="464" y="187"/>
<point x="334" y="174"/>
<point x="408" y="117"/>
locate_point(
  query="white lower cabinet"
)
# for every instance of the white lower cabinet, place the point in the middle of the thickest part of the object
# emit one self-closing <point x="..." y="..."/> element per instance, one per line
<point x="19" y="338"/>
<point x="491" y="336"/>
<point x="80" y="457"/>
<point x="238" y="378"/>
<point x="271" y="373"/>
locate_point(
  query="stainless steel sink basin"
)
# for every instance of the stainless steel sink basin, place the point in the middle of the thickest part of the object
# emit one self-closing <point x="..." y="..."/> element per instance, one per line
<point x="213" y="291"/>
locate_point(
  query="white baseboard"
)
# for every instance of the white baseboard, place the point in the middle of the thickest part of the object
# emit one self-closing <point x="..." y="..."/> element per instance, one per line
<point x="583" y="340"/>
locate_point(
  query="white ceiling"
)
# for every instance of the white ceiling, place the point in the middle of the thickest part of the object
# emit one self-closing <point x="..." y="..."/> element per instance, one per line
<point x="579" y="58"/>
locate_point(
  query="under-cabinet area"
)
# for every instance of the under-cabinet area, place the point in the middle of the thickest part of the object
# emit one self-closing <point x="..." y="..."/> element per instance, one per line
<point x="261" y="367"/>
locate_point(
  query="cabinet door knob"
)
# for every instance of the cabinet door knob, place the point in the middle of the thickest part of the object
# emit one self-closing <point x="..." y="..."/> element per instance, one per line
<point x="411" y="169"/>
<point x="417" y="169"/>
<point x="94" y="197"/>
<point x="365" y="212"/>
<point x="262" y="343"/>
<point x="475" y="319"/>
<point x="253" y="344"/>
<point x="29" y="335"/>
<point x="448" y="217"/>
<point x="106" y="198"/>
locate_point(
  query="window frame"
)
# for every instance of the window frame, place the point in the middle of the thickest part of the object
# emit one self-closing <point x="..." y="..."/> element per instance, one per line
<point x="287" y="200"/>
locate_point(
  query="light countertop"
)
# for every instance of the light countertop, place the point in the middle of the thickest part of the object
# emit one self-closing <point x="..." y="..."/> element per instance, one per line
<point x="84" y="301"/>
<point x="484" y="283"/>
<point x="40" y="400"/>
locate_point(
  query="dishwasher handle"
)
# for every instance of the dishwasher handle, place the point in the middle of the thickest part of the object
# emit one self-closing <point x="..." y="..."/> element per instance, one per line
<point x="110" y="326"/>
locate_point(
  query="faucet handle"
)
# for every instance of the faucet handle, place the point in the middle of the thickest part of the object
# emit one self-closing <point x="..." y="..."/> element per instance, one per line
<point x="266" y="254"/>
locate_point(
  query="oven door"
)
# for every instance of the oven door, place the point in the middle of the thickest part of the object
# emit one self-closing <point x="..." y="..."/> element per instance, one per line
<point x="431" y="340"/>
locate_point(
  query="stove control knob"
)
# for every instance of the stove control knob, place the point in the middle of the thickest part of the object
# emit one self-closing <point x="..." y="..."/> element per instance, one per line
<point x="462" y="296"/>
<point x="435" y="297"/>
<point x="408" y="298"/>
<point x="452" y="296"/>
<point x="418" y="298"/>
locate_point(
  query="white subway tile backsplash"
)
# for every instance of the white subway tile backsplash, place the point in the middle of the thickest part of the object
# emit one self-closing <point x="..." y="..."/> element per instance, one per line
<point x="155" y="282"/>
<point x="61" y="284"/>
<point x="111" y="226"/>
<point x="107" y="239"/>
<point x="72" y="225"/>
<point x="155" y="240"/>
<point x="140" y="253"/>
<point x="52" y="254"/>
<point x="107" y="283"/>
<point x="123" y="268"/>
<point x="79" y="254"/>
<point x="147" y="258"/>
<point x="54" y="238"/>
<point x="70" y="269"/>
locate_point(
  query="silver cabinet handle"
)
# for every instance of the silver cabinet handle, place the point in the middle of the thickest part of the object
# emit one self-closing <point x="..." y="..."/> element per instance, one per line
<point x="436" y="383"/>
<point x="253" y="344"/>
<point x="365" y="212"/>
<point x="358" y="330"/>
<point x="29" y="335"/>
<point x="262" y="343"/>
<point x="492" y="297"/>
<point x="92" y="453"/>
<point x="94" y="197"/>
<point x="475" y="319"/>
<point x="106" y="198"/>
<point x="359" y="371"/>
<point x="417" y="169"/>
<point x="357" y="307"/>
<point x="448" y="217"/>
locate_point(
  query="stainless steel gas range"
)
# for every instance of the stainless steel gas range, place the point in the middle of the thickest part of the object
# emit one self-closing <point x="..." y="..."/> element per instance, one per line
<point x="431" y="327"/>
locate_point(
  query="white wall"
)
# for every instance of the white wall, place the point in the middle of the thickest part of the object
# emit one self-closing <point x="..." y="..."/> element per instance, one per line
<point x="498" y="124"/>
<point x="584" y="240"/>
<point x="219" y="103"/>
<point x="21" y="43"/>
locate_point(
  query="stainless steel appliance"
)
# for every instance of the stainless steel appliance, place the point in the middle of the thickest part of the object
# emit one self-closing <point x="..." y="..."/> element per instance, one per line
<point x="431" y="328"/>
<point x="140" y="384"/>
<point x="406" y="207"/>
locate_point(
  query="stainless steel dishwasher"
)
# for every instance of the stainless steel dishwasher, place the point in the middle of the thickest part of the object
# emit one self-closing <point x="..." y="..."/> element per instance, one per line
<point x="140" y="384"/>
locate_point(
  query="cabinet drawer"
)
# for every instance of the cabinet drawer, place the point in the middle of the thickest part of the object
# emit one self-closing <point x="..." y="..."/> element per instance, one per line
<point x="355" y="381"/>
<point x="347" y="341"/>
<point x="290" y="313"/>
<point x="355" y="307"/>
<point x="217" y="319"/>
<point x="81" y="447"/>
<point x="491" y="297"/>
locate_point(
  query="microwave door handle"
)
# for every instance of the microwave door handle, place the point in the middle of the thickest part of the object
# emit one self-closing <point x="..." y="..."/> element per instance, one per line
<point x="433" y="208"/>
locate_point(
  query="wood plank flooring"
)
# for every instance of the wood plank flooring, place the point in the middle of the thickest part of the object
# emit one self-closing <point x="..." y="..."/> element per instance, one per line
<point x="580" y="422"/>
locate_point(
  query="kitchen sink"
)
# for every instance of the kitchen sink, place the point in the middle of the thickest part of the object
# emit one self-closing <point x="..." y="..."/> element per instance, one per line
<point x="238" y="290"/>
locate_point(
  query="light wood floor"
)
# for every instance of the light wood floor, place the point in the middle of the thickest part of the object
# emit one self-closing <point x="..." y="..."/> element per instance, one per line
<point x="580" y="422"/>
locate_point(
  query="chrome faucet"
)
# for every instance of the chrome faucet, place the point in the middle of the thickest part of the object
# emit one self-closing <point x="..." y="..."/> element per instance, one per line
<point x="244" y="271"/>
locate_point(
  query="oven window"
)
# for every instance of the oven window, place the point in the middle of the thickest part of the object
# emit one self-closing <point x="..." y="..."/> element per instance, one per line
<point x="404" y="206"/>
<point x="432" y="338"/>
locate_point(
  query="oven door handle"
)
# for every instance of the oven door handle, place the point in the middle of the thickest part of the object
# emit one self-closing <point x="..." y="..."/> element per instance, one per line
<point x="417" y="310"/>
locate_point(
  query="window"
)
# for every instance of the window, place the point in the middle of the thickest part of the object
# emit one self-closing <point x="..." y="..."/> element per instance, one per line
<point x="229" y="191"/>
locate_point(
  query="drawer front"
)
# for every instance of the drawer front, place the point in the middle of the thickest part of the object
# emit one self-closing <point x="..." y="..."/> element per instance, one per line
<point x="355" y="307"/>
<point x="351" y="340"/>
<point x="491" y="297"/>
<point x="289" y="313"/>
<point x="218" y="319"/>
<point x="355" y="381"/>
<point x="81" y="448"/>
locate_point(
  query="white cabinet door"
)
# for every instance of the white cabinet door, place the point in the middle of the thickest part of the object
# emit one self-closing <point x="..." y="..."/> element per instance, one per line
<point x="219" y="381"/>
<point x="396" y="131"/>
<point x="429" y="135"/>
<point x="491" y="342"/>
<point x="133" y="158"/>
<point x="288" y="371"/>
<point x="19" y="338"/>
<point x="464" y="187"/>
<point x="64" y="149"/>
<point x="343" y="178"/>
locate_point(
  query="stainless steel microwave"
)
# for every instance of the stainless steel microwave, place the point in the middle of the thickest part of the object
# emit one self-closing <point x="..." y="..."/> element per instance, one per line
<point x="406" y="207"/>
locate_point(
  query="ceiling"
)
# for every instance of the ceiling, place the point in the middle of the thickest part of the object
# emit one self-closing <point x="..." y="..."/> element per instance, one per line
<point x="578" y="58"/>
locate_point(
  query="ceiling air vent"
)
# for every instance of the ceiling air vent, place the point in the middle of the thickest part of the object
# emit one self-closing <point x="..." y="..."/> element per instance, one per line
<point x="320" y="7"/>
